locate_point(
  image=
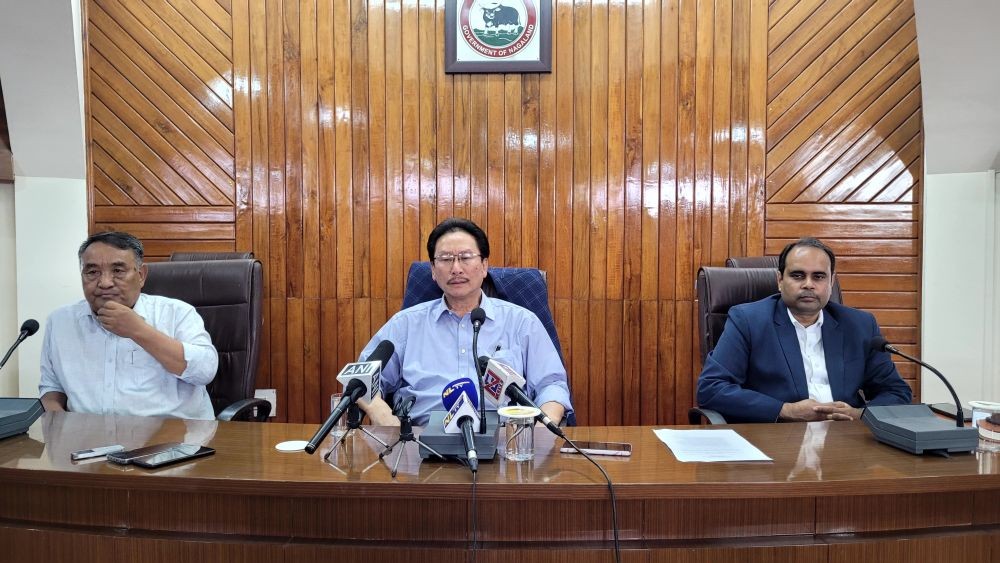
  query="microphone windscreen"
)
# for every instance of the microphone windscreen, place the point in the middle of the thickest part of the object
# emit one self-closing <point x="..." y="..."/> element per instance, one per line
<point x="382" y="352"/>
<point x="454" y="390"/>
<point x="478" y="316"/>
<point x="29" y="327"/>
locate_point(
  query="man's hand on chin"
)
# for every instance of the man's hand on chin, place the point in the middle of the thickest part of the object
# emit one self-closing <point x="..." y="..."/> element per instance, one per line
<point x="120" y="319"/>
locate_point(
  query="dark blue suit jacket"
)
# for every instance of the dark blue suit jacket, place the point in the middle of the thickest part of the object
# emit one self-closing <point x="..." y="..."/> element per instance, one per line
<point x="757" y="367"/>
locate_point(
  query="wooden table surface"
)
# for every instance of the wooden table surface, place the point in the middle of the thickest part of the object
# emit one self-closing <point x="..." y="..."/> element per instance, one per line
<point x="831" y="493"/>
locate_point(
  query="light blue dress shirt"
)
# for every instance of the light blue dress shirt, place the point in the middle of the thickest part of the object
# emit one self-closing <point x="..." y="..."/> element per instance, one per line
<point x="434" y="347"/>
<point x="103" y="373"/>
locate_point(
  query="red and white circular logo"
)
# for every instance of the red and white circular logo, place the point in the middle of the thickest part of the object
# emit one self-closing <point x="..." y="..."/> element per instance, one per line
<point x="498" y="28"/>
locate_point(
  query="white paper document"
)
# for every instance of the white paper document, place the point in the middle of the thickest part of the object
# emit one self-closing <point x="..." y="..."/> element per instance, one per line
<point x="709" y="445"/>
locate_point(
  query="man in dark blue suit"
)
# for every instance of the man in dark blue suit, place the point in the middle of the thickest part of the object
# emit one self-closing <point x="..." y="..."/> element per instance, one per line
<point x="796" y="356"/>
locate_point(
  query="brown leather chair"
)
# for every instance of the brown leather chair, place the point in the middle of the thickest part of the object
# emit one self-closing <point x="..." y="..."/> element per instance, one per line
<point x="718" y="289"/>
<point x="228" y="295"/>
<point x="772" y="262"/>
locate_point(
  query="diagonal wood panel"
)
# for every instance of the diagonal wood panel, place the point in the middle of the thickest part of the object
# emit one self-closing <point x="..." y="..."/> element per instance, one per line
<point x="844" y="160"/>
<point x="161" y="122"/>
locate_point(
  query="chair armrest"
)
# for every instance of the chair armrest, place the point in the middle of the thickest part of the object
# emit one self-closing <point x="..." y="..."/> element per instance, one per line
<point x="249" y="410"/>
<point x="696" y="413"/>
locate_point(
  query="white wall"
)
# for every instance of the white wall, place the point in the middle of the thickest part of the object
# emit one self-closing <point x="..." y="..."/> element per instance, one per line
<point x="958" y="326"/>
<point x="48" y="274"/>
<point x="8" y="290"/>
<point x="44" y="216"/>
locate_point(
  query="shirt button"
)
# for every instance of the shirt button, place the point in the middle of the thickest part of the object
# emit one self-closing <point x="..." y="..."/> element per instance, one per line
<point x="463" y="350"/>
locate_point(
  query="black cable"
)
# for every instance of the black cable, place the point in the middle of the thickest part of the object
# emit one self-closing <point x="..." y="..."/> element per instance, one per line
<point x="614" y="503"/>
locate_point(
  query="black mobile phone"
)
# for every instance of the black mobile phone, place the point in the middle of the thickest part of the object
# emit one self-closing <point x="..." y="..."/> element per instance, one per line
<point x="948" y="409"/>
<point x="599" y="448"/>
<point x="176" y="454"/>
<point x="127" y="457"/>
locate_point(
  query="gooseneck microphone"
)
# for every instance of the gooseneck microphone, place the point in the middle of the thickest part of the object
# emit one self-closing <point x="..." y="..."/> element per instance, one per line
<point x="502" y="380"/>
<point x="478" y="317"/>
<point x="28" y="328"/>
<point x="361" y="380"/>
<point x="881" y="344"/>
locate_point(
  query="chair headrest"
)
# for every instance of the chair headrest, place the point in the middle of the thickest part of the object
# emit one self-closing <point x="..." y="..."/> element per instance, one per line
<point x="202" y="282"/>
<point x="725" y="287"/>
<point x="752" y="262"/>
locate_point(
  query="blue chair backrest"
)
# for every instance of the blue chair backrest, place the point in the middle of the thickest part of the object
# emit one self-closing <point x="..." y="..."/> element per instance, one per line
<point x="521" y="286"/>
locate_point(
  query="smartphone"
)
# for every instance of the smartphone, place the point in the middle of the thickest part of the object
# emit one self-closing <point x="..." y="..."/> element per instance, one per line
<point x="599" y="448"/>
<point x="127" y="457"/>
<point x="176" y="454"/>
<point x="948" y="409"/>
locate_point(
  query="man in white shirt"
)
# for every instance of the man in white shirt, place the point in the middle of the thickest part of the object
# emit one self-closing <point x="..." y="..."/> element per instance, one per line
<point x="120" y="351"/>
<point x="795" y="356"/>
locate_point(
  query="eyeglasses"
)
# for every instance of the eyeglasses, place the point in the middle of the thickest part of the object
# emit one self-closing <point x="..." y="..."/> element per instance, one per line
<point x="446" y="260"/>
<point x="118" y="273"/>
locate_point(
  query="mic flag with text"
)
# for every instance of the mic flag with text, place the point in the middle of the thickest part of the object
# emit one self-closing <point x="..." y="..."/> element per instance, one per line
<point x="459" y="400"/>
<point x="367" y="372"/>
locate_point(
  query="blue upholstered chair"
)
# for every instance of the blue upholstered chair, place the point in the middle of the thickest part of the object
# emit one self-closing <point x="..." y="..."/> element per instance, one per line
<point x="521" y="286"/>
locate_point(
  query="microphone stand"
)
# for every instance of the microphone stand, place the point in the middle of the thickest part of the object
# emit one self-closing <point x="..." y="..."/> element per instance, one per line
<point x="476" y="325"/>
<point x="353" y="423"/>
<point x="405" y="434"/>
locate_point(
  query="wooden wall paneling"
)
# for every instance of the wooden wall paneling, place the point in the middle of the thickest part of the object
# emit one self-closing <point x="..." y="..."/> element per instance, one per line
<point x="528" y="214"/>
<point x="721" y="140"/>
<point x="637" y="171"/>
<point x="445" y="110"/>
<point x="343" y="150"/>
<point x="661" y="168"/>
<point x="238" y="28"/>
<point x="756" y="128"/>
<point x="598" y="329"/>
<point x="410" y="131"/>
<point x="360" y="118"/>
<point x="396" y="264"/>
<point x="624" y="154"/>
<point x="494" y="170"/>
<point x="670" y="134"/>
<point x="631" y="368"/>
<point x="310" y="216"/>
<point x="512" y="241"/>
<point x="599" y="150"/>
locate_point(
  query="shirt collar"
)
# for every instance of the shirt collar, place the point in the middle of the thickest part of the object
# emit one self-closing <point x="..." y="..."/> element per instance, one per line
<point x="485" y="302"/>
<point x="795" y="322"/>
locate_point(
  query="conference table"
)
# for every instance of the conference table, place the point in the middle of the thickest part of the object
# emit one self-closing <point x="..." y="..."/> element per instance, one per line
<point x="831" y="493"/>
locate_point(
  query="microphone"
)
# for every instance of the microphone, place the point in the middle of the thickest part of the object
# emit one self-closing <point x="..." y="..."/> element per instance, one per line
<point x="478" y="317"/>
<point x="462" y="416"/>
<point x="882" y="345"/>
<point x="501" y="381"/>
<point x="914" y="428"/>
<point x="28" y="328"/>
<point x="361" y="380"/>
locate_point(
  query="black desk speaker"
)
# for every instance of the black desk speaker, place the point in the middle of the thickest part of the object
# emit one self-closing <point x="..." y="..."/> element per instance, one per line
<point x="17" y="414"/>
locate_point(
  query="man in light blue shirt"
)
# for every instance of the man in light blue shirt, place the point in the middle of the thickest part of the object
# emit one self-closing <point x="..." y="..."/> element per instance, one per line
<point x="120" y="351"/>
<point x="433" y="340"/>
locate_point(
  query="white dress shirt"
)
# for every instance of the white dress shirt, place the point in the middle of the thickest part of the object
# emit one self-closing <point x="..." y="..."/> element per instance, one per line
<point x="103" y="373"/>
<point x="813" y="358"/>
